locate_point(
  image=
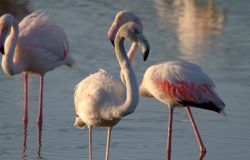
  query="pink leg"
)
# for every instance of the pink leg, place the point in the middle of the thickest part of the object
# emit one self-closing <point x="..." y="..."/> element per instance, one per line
<point x="90" y="143"/>
<point x="40" y="112"/>
<point x="170" y="120"/>
<point x="197" y="134"/>
<point x="39" y="119"/>
<point x="108" y="142"/>
<point x="25" y="84"/>
<point x="24" y="156"/>
<point x="25" y="113"/>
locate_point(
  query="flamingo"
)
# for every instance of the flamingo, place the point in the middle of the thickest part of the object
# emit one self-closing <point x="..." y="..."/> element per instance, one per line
<point x="100" y="99"/>
<point x="176" y="84"/>
<point x="36" y="45"/>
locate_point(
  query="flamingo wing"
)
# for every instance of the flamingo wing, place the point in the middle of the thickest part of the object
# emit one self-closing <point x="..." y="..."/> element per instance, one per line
<point x="38" y="33"/>
<point x="184" y="83"/>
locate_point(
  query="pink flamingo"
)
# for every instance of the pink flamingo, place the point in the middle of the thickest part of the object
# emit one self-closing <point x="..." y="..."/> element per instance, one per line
<point x="36" y="45"/>
<point x="101" y="100"/>
<point x="175" y="83"/>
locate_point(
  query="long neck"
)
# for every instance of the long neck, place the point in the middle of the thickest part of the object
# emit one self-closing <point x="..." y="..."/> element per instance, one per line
<point x="131" y="56"/>
<point x="8" y="66"/>
<point x="132" y="93"/>
<point x="132" y="51"/>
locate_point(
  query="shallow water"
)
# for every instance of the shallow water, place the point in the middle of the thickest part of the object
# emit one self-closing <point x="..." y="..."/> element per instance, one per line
<point x="210" y="33"/>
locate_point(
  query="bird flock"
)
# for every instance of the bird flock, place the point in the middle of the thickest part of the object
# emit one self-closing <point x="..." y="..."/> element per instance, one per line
<point x="37" y="45"/>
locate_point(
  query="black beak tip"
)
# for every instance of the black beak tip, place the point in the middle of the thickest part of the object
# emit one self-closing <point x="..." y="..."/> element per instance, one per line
<point x="145" y="55"/>
<point x="113" y="43"/>
<point x="2" y="50"/>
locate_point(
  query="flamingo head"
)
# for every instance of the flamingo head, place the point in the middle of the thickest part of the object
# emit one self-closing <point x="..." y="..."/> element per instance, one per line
<point x="131" y="31"/>
<point x="5" y="24"/>
<point x="121" y="18"/>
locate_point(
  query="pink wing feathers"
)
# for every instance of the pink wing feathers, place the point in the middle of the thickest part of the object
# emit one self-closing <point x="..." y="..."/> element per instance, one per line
<point x="186" y="84"/>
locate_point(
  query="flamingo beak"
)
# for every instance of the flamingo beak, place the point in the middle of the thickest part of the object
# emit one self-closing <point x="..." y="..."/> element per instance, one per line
<point x="112" y="41"/>
<point x="1" y="44"/>
<point x="145" y="54"/>
<point x="2" y="50"/>
<point x="144" y="44"/>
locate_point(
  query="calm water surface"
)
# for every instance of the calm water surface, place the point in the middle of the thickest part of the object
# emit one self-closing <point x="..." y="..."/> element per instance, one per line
<point x="213" y="34"/>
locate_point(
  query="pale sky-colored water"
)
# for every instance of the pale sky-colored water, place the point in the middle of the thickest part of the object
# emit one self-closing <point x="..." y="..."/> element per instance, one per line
<point x="213" y="34"/>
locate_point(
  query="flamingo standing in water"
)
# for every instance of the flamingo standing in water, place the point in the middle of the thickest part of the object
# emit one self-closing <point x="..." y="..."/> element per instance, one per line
<point x="100" y="99"/>
<point x="175" y="83"/>
<point x="36" y="45"/>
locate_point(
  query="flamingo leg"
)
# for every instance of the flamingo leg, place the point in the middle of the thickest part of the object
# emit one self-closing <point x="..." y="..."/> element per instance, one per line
<point x="40" y="112"/>
<point x="170" y="120"/>
<point x="25" y="94"/>
<point x="108" y="142"/>
<point x="39" y="142"/>
<point x="90" y="143"/>
<point x="24" y="155"/>
<point x="197" y="134"/>
<point x="25" y="113"/>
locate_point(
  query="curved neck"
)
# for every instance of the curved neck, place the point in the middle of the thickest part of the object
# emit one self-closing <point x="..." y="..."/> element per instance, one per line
<point x="132" y="93"/>
<point x="9" y="67"/>
<point x="132" y="51"/>
<point x="131" y="56"/>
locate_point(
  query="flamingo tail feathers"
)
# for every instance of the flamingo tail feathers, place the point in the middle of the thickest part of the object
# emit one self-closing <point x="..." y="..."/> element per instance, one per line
<point x="205" y="105"/>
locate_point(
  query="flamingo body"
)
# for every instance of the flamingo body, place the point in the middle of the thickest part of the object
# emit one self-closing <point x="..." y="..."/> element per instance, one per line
<point x="37" y="45"/>
<point x="183" y="84"/>
<point x="41" y="45"/>
<point x="100" y="99"/>
<point x="95" y="97"/>
<point x="180" y="83"/>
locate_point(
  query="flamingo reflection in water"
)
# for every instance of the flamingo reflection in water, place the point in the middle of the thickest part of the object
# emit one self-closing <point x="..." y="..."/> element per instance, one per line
<point x="38" y="147"/>
<point x="176" y="84"/>
<point x="198" y="24"/>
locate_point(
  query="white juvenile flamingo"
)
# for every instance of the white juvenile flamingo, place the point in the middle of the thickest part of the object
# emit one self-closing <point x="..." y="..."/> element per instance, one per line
<point x="100" y="99"/>
<point x="36" y="45"/>
<point x="175" y="83"/>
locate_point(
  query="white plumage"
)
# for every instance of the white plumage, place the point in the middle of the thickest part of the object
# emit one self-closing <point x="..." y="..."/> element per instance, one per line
<point x="176" y="71"/>
<point x="97" y="97"/>
<point x="100" y="99"/>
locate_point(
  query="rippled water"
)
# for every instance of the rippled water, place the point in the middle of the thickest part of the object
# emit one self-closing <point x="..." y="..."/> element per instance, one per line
<point x="213" y="34"/>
